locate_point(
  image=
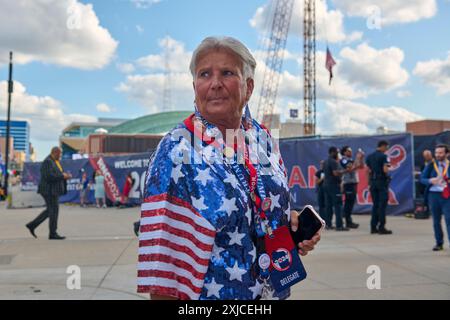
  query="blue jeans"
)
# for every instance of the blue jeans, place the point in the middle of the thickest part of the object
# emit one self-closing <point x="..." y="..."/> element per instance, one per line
<point x="439" y="206"/>
<point x="350" y="199"/>
<point x="321" y="202"/>
<point x="333" y="199"/>
<point x="379" y="191"/>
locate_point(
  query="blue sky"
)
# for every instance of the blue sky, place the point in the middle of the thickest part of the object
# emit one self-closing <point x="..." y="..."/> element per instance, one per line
<point x="109" y="64"/>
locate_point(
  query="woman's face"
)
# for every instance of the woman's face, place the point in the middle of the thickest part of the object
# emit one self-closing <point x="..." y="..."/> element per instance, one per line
<point x="220" y="88"/>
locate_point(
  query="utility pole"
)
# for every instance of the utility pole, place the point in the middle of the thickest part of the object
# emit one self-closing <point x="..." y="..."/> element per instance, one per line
<point x="8" y="122"/>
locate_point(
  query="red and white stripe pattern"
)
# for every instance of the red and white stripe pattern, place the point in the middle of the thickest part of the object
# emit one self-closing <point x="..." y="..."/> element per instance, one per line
<point x="175" y="246"/>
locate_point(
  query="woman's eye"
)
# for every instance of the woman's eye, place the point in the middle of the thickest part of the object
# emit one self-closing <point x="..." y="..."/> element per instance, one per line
<point x="228" y="73"/>
<point x="204" y="73"/>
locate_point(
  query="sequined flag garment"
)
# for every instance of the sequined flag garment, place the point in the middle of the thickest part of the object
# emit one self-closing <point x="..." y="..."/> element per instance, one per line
<point x="197" y="226"/>
<point x="175" y="247"/>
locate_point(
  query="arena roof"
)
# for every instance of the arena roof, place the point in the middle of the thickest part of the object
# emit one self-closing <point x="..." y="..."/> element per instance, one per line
<point x="157" y="123"/>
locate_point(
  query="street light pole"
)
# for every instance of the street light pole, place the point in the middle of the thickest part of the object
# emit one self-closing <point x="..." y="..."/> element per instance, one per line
<point x="8" y="122"/>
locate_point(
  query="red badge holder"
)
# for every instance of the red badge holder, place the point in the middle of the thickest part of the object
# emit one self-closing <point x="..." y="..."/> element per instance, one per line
<point x="286" y="268"/>
<point x="446" y="191"/>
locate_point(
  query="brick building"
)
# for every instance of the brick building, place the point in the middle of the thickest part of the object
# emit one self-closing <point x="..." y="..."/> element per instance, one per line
<point x="427" y="127"/>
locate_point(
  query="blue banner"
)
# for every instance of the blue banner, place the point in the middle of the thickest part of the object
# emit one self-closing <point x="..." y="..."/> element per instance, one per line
<point x="302" y="159"/>
<point x="114" y="169"/>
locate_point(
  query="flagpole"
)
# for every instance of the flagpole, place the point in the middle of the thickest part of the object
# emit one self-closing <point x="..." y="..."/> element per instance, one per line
<point x="8" y="122"/>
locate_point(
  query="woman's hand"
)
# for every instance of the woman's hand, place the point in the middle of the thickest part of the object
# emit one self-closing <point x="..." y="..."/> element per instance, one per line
<point x="307" y="245"/>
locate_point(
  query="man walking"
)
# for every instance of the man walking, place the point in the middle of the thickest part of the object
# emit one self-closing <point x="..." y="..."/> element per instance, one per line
<point x="52" y="185"/>
<point x="332" y="187"/>
<point x="436" y="176"/>
<point x="378" y="164"/>
<point x="350" y="183"/>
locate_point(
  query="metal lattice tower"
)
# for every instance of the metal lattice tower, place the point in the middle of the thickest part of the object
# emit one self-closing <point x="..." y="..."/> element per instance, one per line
<point x="274" y="60"/>
<point x="309" y="67"/>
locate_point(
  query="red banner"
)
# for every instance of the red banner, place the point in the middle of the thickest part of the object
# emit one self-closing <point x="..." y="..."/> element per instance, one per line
<point x="111" y="187"/>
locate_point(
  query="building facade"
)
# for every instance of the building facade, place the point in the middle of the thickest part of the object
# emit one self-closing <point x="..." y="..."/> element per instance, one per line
<point x="20" y="132"/>
<point x="73" y="137"/>
<point x="427" y="127"/>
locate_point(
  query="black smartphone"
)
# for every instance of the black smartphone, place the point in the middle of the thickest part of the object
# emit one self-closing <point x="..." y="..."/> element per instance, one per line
<point x="309" y="223"/>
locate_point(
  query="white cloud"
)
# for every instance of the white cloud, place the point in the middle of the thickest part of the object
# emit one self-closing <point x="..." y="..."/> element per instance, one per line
<point x="354" y="36"/>
<point x="62" y="32"/>
<point x="45" y="114"/>
<point x="341" y="87"/>
<point x="177" y="57"/>
<point x="391" y="11"/>
<point x="329" y="23"/>
<point x="144" y="4"/>
<point x="147" y="90"/>
<point x="103" y="107"/>
<point x="403" y="93"/>
<point x="347" y="117"/>
<point x="435" y="73"/>
<point x="372" y="68"/>
<point x="125" y="67"/>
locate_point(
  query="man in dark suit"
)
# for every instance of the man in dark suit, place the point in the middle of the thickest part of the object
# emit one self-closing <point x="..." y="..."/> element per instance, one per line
<point x="53" y="184"/>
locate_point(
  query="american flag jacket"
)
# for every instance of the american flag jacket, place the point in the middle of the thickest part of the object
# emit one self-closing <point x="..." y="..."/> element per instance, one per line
<point x="197" y="224"/>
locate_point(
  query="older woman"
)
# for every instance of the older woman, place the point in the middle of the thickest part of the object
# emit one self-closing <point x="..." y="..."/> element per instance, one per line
<point x="209" y="198"/>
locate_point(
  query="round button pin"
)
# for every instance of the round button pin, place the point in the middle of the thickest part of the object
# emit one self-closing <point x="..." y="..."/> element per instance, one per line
<point x="266" y="204"/>
<point x="229" y="152"/>
<point x="264" y="261"/>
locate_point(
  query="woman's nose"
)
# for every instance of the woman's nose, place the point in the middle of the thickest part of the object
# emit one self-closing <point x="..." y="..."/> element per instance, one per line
<point x="216" y="82"/>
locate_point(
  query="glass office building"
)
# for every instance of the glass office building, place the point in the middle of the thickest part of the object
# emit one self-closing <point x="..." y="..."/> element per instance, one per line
<point x="20" y="131"/>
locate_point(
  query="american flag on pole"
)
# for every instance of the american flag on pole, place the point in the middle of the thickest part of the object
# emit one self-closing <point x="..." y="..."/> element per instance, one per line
<point x="175" y="246"/>
<point x="329" y="63"/>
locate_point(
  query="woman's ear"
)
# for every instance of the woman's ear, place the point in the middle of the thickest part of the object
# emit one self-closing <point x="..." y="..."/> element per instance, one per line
<point x="195" y="95"/>
<point x="250" y="87"/>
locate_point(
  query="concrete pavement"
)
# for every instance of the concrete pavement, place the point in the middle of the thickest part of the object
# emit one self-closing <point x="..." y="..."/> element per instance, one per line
<point x="101" y="242"/>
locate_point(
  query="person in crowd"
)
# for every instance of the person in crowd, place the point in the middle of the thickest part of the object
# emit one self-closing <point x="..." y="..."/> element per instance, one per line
<point x="350" y="182"/>
<point x="84" y="189"/>
<point x="52" y="185"/>
<point x="423" y="190"/>
<point x="209" y="199"/>
<point x="332" y="186"/>
<point x="320" y="176"/>
<point x="99" y="189"/>
<point x="129" y="181"/>
<point x="436" y="177"/>
<point x="379" y="179"/>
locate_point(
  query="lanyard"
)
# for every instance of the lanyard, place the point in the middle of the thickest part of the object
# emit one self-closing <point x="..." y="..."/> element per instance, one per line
<point x="444" y="173"/>
<point x="254" y="183"/>
<point x="58" y="165"/>
<point x="260" y="201"/>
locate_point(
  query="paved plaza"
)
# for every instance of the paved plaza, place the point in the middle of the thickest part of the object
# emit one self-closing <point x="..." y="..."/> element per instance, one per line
<point x="102" y="243"/>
